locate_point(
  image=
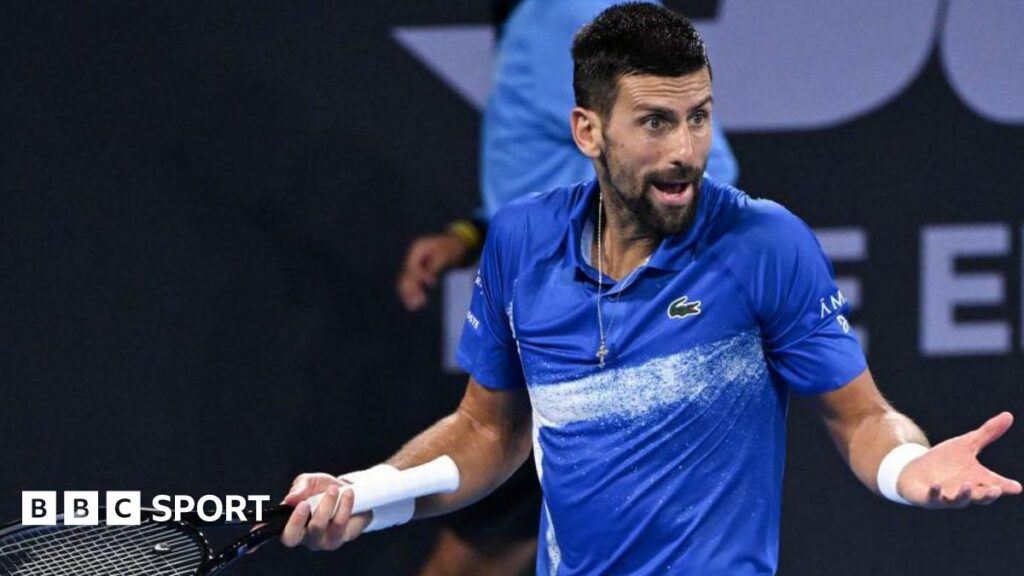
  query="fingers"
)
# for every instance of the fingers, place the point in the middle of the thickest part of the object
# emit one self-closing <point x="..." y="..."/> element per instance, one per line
<point x="963" y="496"/>
<point x="411" y="293"/>
<point x="990" y="495"/>
<point x="992" y="430"/>
<point x="419" y="272"/>
<point x="1008" y="486"/>
<point x="295" y="493"/>
<point x="424" y="261"/>
<point x="957" y="497"/>
<point x="325" y="528"/>
<point x="306" y="485"/>
<point x="356" y="524"/>
<point x="428" y="257"/>
<point x="295" y="528"/>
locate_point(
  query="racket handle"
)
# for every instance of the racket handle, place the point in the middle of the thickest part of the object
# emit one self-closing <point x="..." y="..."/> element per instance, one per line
<point x="440" y="475"/>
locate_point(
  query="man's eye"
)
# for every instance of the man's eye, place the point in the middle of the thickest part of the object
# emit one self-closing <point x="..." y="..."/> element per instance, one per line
<point x="654" y="122"/>
<point x="699" y="118"/>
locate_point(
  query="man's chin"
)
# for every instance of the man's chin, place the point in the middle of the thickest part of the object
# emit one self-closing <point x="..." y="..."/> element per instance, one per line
<point x="673" y="226"/>
<point x="668" y="218"/>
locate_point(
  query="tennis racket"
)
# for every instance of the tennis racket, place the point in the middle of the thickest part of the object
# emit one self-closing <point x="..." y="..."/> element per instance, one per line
<point x="179" y="548"/>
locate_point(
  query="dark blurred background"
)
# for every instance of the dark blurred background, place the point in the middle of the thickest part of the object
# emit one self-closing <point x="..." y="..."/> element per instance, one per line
<point x="203" y="207"/>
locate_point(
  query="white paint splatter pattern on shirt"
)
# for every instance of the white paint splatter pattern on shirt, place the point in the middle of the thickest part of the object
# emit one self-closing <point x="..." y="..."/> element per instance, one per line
<point x="554" y="552"/>
<point x="695" y="375"/>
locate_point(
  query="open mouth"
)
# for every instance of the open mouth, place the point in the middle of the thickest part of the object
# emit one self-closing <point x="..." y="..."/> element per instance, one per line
<point x="673" y="193"/>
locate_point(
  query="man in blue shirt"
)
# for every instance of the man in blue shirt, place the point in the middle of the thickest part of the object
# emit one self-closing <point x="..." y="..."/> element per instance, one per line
<point x="526" y="146"/>
<point x="643" y="333"/>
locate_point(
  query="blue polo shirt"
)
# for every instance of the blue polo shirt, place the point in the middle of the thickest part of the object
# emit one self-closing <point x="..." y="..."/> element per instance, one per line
<point x="669" y="459"/>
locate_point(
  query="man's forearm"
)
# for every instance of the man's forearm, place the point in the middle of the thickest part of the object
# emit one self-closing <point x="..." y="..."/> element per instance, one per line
<point x="486" y="456"/>
<point x="865" y="427"/>
<point x="874" y="437"/>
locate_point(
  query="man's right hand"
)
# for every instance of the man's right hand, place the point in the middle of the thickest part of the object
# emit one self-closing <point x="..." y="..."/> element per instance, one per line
<point x="428" y="257"/>
<point x="331" y="524"/>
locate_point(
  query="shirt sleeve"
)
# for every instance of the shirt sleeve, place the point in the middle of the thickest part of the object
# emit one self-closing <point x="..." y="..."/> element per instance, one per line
<point x="488" y="349"/>
<point x="803" y="314"/>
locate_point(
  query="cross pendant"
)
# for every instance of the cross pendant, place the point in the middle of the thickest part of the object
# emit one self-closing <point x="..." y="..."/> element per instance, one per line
<point x="602" y="351"/>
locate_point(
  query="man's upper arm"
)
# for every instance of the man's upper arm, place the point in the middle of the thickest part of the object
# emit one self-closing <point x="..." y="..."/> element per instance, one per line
<point x="503" y="413"/>
<point x="487" y="348"/>
<point x="800" y="310"/>
<point x="851" y="403"/>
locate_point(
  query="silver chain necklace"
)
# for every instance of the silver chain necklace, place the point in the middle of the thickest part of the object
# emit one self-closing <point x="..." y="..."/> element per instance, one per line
<point x="602" y="349"/>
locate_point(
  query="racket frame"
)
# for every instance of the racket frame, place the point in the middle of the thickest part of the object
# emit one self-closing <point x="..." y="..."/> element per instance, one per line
<point x="271" y="526"/>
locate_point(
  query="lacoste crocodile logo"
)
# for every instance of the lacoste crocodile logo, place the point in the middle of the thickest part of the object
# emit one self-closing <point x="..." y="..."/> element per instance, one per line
<point x="682" y="307"/>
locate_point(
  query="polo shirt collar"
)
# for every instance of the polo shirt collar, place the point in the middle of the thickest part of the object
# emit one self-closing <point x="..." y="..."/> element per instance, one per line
<point x="670" y="253"/>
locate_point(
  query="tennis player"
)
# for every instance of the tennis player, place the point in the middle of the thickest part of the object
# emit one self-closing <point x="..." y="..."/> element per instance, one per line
<point x="643" y="332"/>
<point x="526" y="146"/>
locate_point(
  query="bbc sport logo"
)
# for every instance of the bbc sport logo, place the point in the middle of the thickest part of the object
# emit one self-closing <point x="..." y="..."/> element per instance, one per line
<point x="124" y="508"/>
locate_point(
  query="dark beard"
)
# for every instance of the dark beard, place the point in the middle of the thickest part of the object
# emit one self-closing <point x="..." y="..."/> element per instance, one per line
<point x="642" y="209"/>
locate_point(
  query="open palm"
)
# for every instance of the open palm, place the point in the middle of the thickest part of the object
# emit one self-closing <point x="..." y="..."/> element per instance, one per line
<point x="950" y="476"/>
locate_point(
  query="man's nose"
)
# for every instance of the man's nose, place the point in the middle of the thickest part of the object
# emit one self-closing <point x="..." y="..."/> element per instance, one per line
<point x="683" y="148"/>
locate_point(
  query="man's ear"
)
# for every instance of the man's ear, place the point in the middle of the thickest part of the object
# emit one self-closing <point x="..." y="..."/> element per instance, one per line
<point x="586" y="131"/>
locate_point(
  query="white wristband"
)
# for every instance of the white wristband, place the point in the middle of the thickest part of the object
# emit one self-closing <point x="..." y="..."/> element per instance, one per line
<point x="892" y="466"/>
<point x="388" y="515"/>
<point x="374" y="474"/>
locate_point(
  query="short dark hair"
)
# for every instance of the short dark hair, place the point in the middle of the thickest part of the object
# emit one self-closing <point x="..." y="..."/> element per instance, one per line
<point x="632" y="39"/>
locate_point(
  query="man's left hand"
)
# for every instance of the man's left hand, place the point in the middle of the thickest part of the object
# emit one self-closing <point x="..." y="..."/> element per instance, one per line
<point x="950" y="476"/>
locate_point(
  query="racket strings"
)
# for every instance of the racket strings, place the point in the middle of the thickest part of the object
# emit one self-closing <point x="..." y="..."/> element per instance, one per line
<point x="115" y="553"/>
<point x="105" y="558"/>
<point x="149" y="549"/>
<point x="24" y="539"/>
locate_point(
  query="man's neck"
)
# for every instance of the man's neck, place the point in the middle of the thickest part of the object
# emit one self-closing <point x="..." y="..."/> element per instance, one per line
<point x="625" y="242"/>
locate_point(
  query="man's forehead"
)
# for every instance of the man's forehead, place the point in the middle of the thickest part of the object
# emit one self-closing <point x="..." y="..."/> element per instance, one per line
<point x="640" y="90"/>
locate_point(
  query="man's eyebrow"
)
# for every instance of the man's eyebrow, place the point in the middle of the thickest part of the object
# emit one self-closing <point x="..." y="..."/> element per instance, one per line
<point x="709" y="100"/>
<point x="650" y="108"/>
<point x="669" y="112"/>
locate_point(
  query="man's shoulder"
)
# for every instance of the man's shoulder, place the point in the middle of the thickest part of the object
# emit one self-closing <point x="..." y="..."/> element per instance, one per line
<point x="537" y="213"/>
<point x="532" y="228"/>
<point x="745" y="227"/>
